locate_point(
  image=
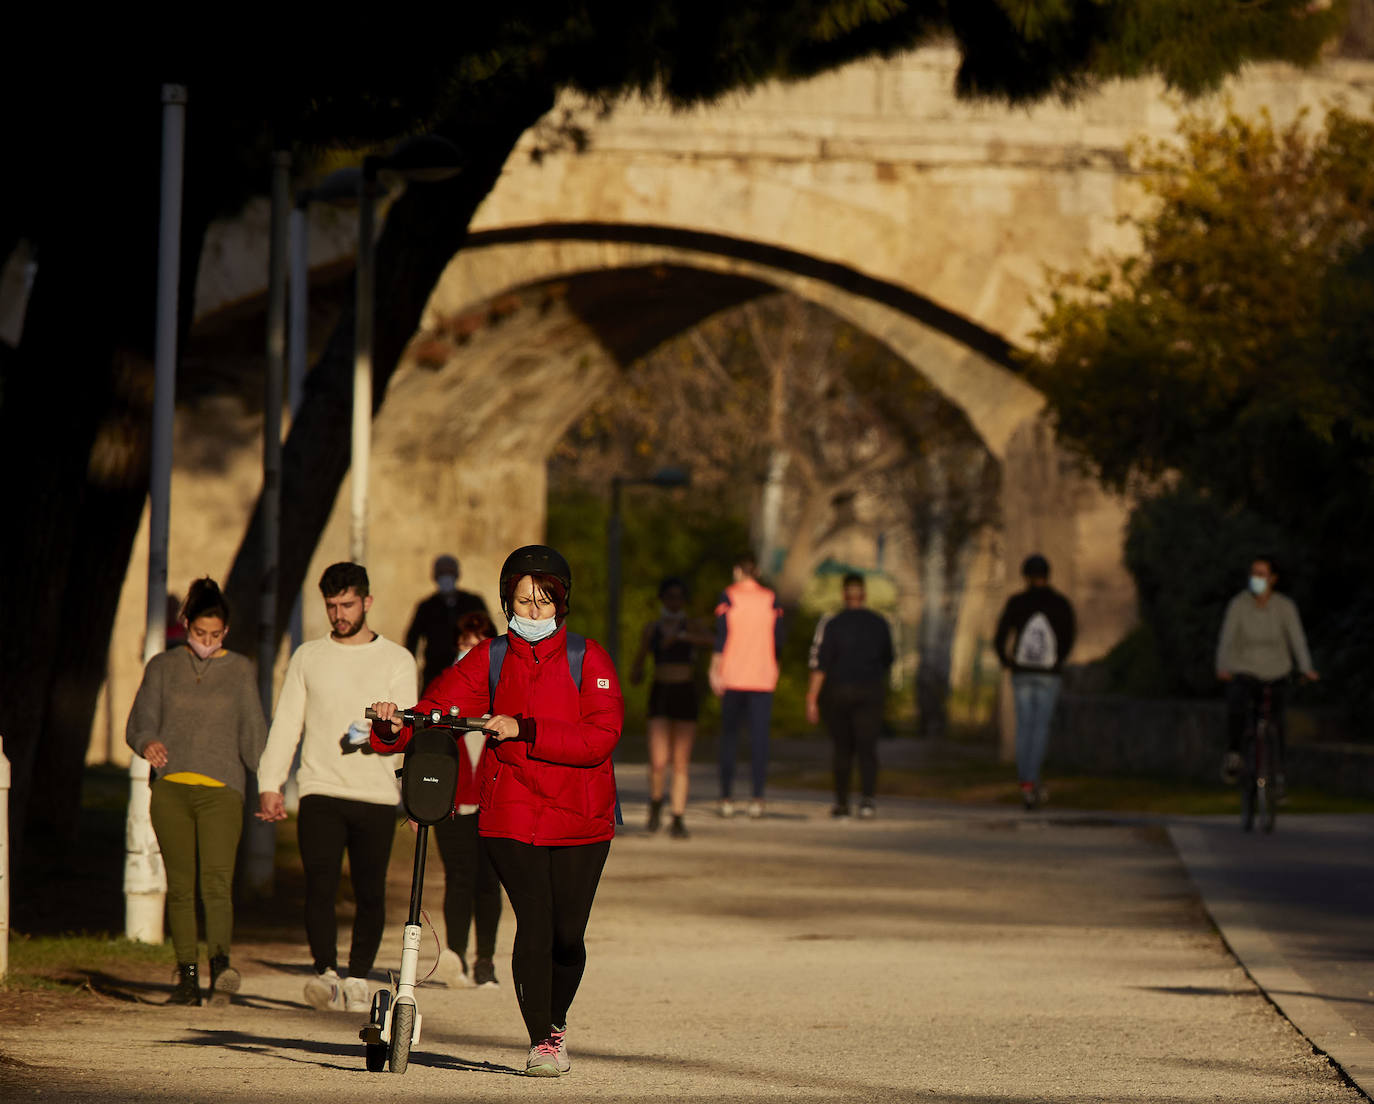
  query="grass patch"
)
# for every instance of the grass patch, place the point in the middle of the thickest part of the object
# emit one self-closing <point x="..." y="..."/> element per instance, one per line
<point x="62" y="963"/>
<point x="994" y="783"/>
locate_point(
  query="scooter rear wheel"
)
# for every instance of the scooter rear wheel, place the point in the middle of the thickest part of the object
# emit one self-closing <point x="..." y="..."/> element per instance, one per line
<point x="376" y="1052"/>
<point x="402" y="1028"/>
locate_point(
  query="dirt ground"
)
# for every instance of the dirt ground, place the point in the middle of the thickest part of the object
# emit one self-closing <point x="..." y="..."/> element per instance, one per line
<point x="934" y="954"/>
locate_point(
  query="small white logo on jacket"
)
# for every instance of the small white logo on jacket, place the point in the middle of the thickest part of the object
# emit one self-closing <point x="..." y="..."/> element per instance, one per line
<point x="603" y="684"/>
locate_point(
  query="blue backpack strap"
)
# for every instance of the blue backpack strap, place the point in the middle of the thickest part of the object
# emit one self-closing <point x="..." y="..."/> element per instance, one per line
<point x="495" y="658"/>
<point x="577" y="652"/>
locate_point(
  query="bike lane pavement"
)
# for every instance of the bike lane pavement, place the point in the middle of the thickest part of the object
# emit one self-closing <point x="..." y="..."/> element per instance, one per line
<point x="1297" y="909"/>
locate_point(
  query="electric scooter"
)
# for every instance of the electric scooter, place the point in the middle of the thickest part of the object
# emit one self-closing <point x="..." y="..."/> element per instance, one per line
<point x="429" y="780"/>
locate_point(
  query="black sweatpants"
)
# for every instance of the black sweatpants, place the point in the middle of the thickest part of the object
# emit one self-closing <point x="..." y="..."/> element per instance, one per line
<point x="326" y="828"/>
<point x="551" y="890"/>
<point x="853" y="714"/>
<point x="470" y="885"/>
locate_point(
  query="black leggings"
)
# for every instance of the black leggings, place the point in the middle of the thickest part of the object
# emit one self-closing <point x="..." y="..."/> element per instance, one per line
<point x="326" y="827"/>
<point x="853" y="713"/>
<point x="470" y="885"/>
<point x="1243" y="694"/>
<point x="551" y="890"/>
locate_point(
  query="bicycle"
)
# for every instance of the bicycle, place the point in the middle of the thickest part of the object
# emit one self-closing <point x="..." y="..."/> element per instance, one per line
<point x="428" y="781"/>
<point x="1260" y="765"/>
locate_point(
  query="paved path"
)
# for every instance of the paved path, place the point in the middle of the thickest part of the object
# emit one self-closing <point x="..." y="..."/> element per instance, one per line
<point x="1297" y="909"/>
<point x="945" y="954"/>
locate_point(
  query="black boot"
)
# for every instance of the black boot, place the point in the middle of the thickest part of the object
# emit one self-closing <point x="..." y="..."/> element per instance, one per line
<point x="187" y="990"/>
<point x="224" y="980"/>
<point x="655" y="814"/>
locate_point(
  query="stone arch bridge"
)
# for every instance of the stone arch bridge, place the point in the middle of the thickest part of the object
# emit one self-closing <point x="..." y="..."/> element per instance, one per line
<point x="870" y="191"/>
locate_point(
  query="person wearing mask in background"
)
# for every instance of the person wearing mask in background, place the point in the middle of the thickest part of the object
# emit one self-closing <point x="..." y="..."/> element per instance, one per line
<point x="1034" y="636"/>
<point x="435" y="620"/>
<point x="198" y="722"/>
<point x="472" y="893"/>
<point x="744" y="674"/>
<point x="547" y="787"/>
<point x="1260" y="642"/>
<point x="849" y="687"/>
<point x="348" y="797"/>
<point x="672" y="639"/>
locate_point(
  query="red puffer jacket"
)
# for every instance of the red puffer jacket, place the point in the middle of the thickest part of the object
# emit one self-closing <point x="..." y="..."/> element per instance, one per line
<point x="554" y="786"/>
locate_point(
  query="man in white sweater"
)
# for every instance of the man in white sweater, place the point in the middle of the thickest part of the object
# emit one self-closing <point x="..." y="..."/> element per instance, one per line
<point x="348" y="795"/>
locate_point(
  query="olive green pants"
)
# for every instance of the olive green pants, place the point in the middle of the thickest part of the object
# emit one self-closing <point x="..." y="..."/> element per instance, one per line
<point x="198" y="825"/>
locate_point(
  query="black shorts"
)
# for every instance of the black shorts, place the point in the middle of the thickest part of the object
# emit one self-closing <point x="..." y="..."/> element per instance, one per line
<point x="677" y="701"/>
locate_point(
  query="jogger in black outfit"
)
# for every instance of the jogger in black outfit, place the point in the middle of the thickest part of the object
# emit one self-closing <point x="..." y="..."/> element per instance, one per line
<point x="848" y="688"/>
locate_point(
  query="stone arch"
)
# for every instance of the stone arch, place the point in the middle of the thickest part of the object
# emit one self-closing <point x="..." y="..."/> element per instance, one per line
<point x="968" y="364"/>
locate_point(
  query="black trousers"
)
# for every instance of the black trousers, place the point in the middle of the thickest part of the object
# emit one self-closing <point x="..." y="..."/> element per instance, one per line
<point x="853" y="715"/>
<point x="1243" y="695"/>
<point x="327" y="827"/>
<point x="551" y="890"/>
<point x="470" y="886"/>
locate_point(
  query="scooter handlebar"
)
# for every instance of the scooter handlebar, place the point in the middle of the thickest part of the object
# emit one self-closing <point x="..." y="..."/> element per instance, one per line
<point x="427" y="719"/>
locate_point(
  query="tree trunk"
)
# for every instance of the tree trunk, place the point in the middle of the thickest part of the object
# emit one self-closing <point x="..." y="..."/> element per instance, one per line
<point x="423" y="231"/>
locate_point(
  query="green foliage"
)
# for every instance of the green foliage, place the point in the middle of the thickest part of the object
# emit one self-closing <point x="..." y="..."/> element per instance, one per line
<point x="1236" y="350"/>
<point x="676" y="532"/>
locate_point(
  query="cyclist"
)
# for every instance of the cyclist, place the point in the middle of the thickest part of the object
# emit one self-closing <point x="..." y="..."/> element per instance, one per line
<point x="1261" y="640"/>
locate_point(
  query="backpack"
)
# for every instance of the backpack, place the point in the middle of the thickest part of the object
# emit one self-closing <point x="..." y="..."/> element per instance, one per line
<point x="577" y="652"/>
<point x="1037" y="648"/>
<point x="429" y="778"/>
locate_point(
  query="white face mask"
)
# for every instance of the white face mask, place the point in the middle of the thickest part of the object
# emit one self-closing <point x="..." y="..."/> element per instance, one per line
<point x="1258" y="585"/>
<point x="533" y="631"/>
<point x="205" y="651"/>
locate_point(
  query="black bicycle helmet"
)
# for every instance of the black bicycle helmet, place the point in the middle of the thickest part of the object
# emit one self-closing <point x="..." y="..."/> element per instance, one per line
<point x="534" y="559"/>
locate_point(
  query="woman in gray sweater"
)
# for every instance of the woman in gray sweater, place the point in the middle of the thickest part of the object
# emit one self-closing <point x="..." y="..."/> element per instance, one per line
<point x="197" y="721"/>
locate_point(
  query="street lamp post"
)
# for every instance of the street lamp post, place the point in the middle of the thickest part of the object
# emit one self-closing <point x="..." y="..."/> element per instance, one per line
<point x="419" y="160"/>
<point x="145" y="880"/>
<point x="664" y="477"/>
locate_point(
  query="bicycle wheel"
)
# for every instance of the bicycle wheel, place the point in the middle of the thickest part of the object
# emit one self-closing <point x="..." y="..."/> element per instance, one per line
<point x="1268" y="795"/>
<point x="402" y="1027"/>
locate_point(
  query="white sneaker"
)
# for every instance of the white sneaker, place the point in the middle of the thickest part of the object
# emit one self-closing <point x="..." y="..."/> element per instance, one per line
<point x="559" y="1038"/>
<point x="325" y="992"/>
<point x="452" y="970"/>
<point x="356" y="995"/>
<point x="726" y="808"/>
<point x="542" y="1060"/>
<point x="756" y="808"/>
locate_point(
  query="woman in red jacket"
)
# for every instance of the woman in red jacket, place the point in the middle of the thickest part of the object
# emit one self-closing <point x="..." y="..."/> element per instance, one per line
<point x="546" y="785"/>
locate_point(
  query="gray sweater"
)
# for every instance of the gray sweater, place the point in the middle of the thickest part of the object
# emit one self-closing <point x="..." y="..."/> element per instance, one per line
<point x="205" y="711"/>
<point x="1263" y="641"/>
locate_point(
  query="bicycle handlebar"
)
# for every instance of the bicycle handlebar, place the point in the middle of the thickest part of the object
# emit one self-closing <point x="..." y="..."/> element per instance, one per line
<point x="423" y="719"/>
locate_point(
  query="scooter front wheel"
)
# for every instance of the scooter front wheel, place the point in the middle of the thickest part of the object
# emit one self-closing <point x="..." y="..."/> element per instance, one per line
<point x="402" y="1028"/>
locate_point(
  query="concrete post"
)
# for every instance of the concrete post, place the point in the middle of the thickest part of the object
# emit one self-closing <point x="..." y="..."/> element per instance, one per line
<point x="4" y="863"/>
<point x="145" y="879"/>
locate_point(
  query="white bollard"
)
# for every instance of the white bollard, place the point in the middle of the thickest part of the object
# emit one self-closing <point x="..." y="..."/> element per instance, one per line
<point x="145" y="878"/>
<point x="4" y="863"/>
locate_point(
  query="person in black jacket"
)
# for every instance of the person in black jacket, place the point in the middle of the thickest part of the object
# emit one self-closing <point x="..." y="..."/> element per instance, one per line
<point x="436" y="620"/>
<point x="848" y="687"/>
<point x="1034" y="635"/>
